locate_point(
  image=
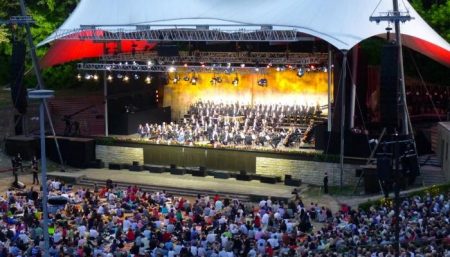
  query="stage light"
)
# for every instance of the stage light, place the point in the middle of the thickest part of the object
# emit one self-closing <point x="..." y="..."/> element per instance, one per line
<point x="300" y="72"/>
<point x="119" y="76"/>
<point x="176" y="79"/>
<point x="243" y="65"/>
<point x="136" y="76"/>
<point x="149" y="63"/>
<point x="262" y="82"/>
<point x="325" y="69"/>
<point x="278" y="68"/>
<point x="126" y="78"/>
<point x="186" y="78"/>
<point x="194" y="81"/>
<point x="148" y="80"/>
<point x="235" y="81"/>
<point x="79" y="77"/>
<point x="257" y="69"/>
<point x="95" y="77"/>
<point x="110" y="78"/>
<point x="172" y="69"/>
<point x="87" y="76"/>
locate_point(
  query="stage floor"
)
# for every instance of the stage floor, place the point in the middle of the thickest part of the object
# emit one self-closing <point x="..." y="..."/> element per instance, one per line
<point x="186" y="182"/>
<point x="298" y="147"/>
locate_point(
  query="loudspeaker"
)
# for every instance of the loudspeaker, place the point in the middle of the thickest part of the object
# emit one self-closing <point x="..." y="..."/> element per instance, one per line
<point x="18" y="124"/>
<point x="18" y="89"/>
<point x="384" y="168"/>
<point x="389" y="86"/>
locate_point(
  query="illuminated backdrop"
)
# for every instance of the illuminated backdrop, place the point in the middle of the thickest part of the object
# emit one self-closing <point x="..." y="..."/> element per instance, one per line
<point x="283" y="87"/>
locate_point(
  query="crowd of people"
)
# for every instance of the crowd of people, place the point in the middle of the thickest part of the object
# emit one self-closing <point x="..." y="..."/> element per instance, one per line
<point x="111" y="221"/>
<point x="237" y="124"/>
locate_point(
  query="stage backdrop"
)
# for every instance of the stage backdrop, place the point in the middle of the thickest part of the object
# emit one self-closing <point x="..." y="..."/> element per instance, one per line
<point x="283" y="87"/>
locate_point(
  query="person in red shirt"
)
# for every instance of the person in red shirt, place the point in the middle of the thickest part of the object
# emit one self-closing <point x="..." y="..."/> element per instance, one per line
<point x="130" y="235"/>
<point x="269" y="250"/>
<point x="257" y="221"/>
<point x="216" y="198"/>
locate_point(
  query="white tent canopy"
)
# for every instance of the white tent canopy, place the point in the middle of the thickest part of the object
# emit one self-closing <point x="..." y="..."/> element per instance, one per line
<point x="342" y="23"/>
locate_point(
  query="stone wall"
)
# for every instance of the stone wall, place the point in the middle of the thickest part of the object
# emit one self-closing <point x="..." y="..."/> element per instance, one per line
<point x="309" y="172"/>
<point x="119" y="154"/>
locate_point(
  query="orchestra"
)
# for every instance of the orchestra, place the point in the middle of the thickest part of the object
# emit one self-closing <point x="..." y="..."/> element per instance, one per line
<point x="235" y="124"/>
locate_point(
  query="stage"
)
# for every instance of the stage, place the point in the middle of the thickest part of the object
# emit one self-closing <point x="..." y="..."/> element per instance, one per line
<point x="186" y="185"/>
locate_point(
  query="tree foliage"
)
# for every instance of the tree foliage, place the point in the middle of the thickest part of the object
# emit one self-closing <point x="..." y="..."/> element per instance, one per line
<point x="436" y="13"/>
<point x="48" y="17"/>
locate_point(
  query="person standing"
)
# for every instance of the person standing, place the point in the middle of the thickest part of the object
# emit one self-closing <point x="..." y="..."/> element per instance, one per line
<point x="325" y="183"/>
<point x="35" y="168"/>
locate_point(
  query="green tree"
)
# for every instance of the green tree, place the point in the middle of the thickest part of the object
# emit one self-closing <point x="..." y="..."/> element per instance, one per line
<point x="436" y="13"/>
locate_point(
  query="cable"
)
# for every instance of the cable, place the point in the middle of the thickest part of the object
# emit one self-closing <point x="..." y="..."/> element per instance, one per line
<point x="376" y="7"/>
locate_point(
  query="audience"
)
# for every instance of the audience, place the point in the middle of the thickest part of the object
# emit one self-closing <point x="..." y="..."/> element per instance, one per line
<point x="119" y="222"/>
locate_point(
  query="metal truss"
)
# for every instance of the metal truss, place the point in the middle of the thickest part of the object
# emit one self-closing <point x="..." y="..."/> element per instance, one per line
<point x="180" y="34"/>
<point x="263" y="58"/>
<point x="391" y="17"/>
<point x="135" y="68"/>
<point x="20" y="20"/>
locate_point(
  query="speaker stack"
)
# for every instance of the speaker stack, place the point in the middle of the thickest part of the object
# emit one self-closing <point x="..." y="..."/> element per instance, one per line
<point x="389" y="86"/>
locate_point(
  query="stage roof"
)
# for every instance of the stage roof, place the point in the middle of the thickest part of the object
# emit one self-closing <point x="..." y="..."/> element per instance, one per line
<point x="342" y="23"/>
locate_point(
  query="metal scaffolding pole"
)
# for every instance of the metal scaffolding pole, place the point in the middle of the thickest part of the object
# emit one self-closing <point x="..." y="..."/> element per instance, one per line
<point x="344" y="78"/>
<point x="353" y="93"/>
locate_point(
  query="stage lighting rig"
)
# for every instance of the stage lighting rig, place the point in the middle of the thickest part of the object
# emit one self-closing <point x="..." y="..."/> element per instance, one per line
<point x="126" y="78"/>
<point x="262" y="82"/>
<point x="110" y="78"/>
<point x="148" y="80"/>
<point x="235" y="81"/>
<point x="79" y="77"/>
<point x="136" y="76"/>
<point x="300" y="72"/>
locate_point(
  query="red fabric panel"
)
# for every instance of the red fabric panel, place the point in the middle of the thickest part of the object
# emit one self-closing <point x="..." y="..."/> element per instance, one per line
<point x="63" y="51"/>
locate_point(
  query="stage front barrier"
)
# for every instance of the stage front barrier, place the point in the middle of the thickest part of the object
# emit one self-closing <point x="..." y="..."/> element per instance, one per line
<point x="253" y="162"/>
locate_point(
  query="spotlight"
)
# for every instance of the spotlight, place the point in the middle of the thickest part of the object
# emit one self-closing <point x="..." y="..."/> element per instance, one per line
<point x="262" y="82"/>
<point x="325" y="69"/>
<point x="79" y="77"/>
<point x="300" y="72"/>
<point x="186" y="78"/>
<point x="278" y="68"/>
<point x="87" y="76"/>
<point x="257" y="69"/>
<point x="136" y="76"/>
<point x="126" y="78"/>
<point x="95" y="77"/>
<point x="194" y="81"/>
<point x="235" y="81"/>
<point x="148" y="80"/>
<point x="176" y="79"/>
<point x="119" y="76"/>
<point x="172" y="69"/>
<point x="110" y="78"/>
<point x="149" y="63"/>
<point x="243" y="65"/>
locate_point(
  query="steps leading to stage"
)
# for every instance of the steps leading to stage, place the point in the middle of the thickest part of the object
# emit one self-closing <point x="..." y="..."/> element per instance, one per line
<point x="432" y="176"/>
<point x="171" y="190"/>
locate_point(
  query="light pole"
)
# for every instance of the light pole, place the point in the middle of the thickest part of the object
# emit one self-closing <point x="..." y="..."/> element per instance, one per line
<point x="42" y="95"/>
